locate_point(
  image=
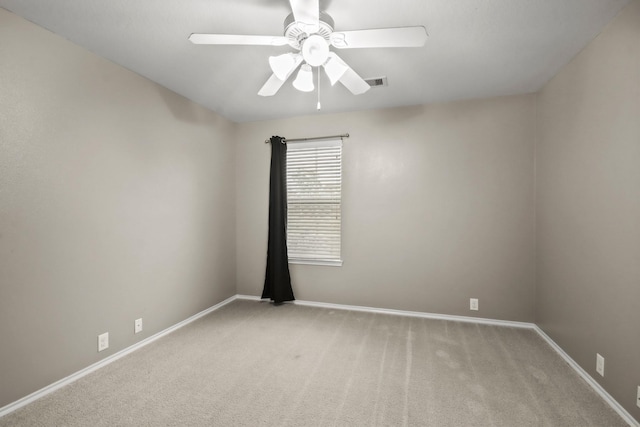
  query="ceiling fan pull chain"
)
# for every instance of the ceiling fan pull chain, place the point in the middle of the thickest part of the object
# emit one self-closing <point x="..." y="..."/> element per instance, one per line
<point x="319" y="90"/>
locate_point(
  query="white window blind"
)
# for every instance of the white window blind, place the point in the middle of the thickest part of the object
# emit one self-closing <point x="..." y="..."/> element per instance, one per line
<point x="314" y="191"/>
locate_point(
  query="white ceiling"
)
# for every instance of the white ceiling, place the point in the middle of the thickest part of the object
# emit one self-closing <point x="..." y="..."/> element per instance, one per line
<point x="476" y="48"/>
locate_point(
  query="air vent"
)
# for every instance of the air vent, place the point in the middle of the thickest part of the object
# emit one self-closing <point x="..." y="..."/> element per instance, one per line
<point x="377" y="81"/>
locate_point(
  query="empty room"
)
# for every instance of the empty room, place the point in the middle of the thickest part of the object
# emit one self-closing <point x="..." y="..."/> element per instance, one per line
<point x="303" y="212"/>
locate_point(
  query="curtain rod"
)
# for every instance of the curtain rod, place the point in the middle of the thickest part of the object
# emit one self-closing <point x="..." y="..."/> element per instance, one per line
<point x="284" y="140"/>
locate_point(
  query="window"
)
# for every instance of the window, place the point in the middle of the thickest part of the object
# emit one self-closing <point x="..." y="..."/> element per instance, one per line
<point x="314" y="187"/>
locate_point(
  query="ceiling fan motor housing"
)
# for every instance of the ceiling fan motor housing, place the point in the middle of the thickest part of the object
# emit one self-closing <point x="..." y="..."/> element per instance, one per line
<point x="296" y="34"/>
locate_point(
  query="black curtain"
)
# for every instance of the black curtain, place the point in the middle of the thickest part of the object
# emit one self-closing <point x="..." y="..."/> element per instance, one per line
<point x="277" y="281"/>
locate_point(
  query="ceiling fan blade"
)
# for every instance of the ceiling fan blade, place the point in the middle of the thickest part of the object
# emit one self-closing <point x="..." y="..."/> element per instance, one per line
<point x="238" y="39"/>
<point x="349" y="78"/>
<point x="383" y="37"/>
<point x="271" y="87"/>
<point x="307" y="12"/>
<point x="352" y="81"/>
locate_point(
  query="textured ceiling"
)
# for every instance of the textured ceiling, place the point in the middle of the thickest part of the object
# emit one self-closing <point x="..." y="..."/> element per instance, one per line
<point x="476" y="48"/>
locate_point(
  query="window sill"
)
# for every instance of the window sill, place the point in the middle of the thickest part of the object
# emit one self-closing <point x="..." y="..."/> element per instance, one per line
<point x="331" y="263"/>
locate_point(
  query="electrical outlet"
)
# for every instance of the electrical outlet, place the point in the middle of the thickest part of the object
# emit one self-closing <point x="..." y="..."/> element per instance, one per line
<point x="473" y="304"/>
<point x="638" y="397"/>
<point x="103" y="341"/>
<point x="137" y="325"/>
<point x="600" y="364"/>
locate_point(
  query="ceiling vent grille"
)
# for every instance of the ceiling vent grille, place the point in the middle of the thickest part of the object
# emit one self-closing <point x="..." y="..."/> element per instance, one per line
<point x="377" y="81"/>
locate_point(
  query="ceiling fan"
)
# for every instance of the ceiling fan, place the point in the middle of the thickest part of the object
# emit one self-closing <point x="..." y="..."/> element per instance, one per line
<point x="310" y="32"/>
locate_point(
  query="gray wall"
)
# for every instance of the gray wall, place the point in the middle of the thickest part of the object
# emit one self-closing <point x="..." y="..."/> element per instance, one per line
<point x="588" y="207"/>
<point x="115" y="204"/>
<point x="437" y="208"/>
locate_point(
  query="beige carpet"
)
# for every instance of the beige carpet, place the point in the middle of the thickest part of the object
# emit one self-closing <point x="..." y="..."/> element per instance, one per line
<point x="253" y="364"/>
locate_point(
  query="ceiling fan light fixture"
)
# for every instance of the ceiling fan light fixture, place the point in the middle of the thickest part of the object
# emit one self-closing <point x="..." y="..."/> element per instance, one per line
<point x="311" y="33"/>
<point x="304" y="79"/>
<point x="315" y="50"/>
<point x="282" y="65"/>
<point x="335" y="69"/>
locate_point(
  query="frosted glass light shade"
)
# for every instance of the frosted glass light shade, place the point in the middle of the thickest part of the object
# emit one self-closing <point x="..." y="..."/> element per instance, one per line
<point x="335" y="69"/>
<point x="315" y="50"/>
<point x="282" y="65"/>
<point x="304" y="79"/>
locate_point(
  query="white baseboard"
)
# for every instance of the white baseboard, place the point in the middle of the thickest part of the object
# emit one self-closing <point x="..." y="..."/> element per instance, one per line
<point x="593" y="383"/>
<point x="75" y="376"/>
<point x="626" y="416"/>
<point x="106" y="361"/>
<point x="249" y="297"/>
<point x="435" y="316"/>
<point x="420" y="314"/>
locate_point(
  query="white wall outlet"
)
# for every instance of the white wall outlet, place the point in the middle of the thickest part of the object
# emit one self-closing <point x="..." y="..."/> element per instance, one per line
<point x="600" y="364"/>
<point x="473" y="304"/>
<point x="638" y="397"/>
<point x="137" y="325"/>
<point x="103" y="341"/>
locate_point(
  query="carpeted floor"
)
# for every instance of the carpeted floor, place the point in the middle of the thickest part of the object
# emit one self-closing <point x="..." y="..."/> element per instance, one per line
<point x="253" y="364"/>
